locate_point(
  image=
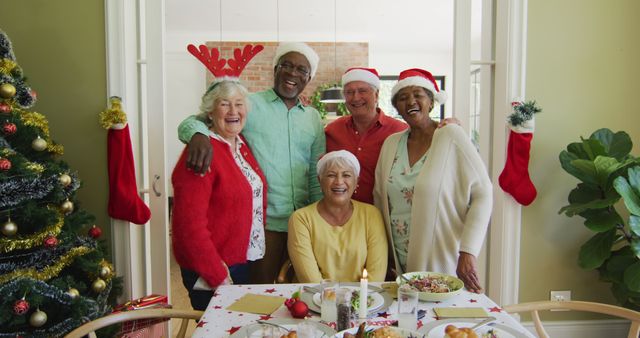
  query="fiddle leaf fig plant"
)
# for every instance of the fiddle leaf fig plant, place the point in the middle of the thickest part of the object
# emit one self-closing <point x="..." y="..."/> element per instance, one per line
<point x="608" y="173"/>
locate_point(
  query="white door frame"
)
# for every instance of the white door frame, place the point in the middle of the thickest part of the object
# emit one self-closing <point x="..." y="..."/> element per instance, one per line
<point x="509" y="72"/>
<point x="135" y="72"/>
<point x="135" y="37"/>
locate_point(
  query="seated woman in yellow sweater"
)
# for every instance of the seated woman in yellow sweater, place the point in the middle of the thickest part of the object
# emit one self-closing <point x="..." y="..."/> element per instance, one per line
<point x="337" y="237"/>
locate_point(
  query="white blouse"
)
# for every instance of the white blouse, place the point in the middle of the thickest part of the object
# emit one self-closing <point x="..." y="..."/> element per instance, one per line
<point x="256" y="247"/>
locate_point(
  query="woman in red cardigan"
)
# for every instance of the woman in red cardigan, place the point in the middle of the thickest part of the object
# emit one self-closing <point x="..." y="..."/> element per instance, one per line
<point x="218" y="217"/>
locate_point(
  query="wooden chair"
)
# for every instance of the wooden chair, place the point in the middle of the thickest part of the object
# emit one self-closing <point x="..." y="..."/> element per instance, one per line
<point x="612" y="310"/>
<point x="90" y="327"/>
<point x="286" y="273"/>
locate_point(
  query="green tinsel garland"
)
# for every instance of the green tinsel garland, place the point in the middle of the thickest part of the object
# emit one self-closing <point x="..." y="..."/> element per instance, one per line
<point x="45" y="297"/>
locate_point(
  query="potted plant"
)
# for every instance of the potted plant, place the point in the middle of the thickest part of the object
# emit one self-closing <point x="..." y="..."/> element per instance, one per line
<point x="321" y="107"/>
<point x="608" y="173"/>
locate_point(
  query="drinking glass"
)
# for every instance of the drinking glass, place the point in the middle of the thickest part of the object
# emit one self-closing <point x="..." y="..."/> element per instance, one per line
<point x="407" y="308"/>
<point x="328" y="310"/>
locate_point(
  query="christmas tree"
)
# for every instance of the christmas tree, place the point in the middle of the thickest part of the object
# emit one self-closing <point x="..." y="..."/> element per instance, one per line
<point x="53" y="273"/>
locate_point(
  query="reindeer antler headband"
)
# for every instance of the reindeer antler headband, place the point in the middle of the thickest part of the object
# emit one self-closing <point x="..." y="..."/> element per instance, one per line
<point x="216" y="65"/>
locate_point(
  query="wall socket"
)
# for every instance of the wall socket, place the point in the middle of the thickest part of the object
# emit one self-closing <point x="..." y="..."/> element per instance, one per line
<point x="560" y="296"/>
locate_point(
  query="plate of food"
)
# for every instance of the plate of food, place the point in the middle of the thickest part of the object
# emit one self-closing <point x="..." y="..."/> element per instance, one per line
<point x="453" y="328"/>
<point x="377" y="301"/>
<point x="284" y="328"/>
<point x="432" y="286"/>
<point x="374" y="300"/>
<point x="378" y="332"/>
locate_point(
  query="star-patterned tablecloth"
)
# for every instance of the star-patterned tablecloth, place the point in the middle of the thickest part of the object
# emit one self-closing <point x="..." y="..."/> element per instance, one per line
<point x="217" y="321"/>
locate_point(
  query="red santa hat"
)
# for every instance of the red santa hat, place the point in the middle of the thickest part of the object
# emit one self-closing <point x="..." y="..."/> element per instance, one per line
<point x="421" y="78"/>
<point x="368" y="75"/>
<point x="298" y="47"/>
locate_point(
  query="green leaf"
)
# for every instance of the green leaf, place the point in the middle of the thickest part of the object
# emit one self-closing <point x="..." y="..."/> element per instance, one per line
<point x="586" y="171"/>
<point x="576" y="149"/>
<point x="634" y="224"/>
<point x="615" y="267"/>
<point x="617" y="145"/>
<point x="594" y="148"/>
<point x="565" y="161"/>
<point x="631" y="200"/>
<point x="635" y="247"/>
<point x="577" y="208"/>
<point x="634" y="179"/>
<point x="632" y="277"/>
<point x="605" y="166"/>
<point x="584" y="193"/>
<point x="596" y="250"/>
<point x="600" y="220"/>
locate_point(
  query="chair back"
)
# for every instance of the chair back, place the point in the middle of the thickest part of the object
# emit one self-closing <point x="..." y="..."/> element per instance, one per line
<point x="534" y="307"/>
<point x="90" y="327"/>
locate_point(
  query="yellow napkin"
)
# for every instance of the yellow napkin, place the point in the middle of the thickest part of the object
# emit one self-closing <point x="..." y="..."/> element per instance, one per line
<point x="460" y="312"/>
<point x="258" y="304"/>
<point x="391" y="288"/>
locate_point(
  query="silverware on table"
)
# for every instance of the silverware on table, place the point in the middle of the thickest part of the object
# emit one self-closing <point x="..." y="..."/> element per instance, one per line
<point x="372" y="289"/>
<point x="483" y="323"/>
<point x="402" y="276"/>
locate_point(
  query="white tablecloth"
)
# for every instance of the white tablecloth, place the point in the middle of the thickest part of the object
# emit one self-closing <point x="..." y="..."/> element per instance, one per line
<point x="219" y="322"/>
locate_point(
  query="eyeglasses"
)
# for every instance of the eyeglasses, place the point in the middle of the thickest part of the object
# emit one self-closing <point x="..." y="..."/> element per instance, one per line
<point x="291" y="68"/>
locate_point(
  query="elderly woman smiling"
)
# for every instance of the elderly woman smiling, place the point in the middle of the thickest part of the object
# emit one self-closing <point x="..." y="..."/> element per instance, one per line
<point x="218" y="217"/>
<point x="337" y="237"/>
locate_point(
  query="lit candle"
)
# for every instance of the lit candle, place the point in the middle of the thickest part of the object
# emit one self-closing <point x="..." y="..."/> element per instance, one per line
<point x="364" y="286"/>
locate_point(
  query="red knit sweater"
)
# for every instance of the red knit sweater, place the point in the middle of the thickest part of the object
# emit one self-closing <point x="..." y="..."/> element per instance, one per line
<point x="212" y="214"/>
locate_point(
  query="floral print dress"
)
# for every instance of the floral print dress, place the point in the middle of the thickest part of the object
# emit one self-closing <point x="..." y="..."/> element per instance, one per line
<point x="400" y="184"/>
<point x="256" y="247"/>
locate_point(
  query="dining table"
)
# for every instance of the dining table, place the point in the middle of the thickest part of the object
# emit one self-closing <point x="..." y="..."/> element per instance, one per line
<point x="218" y="321"/>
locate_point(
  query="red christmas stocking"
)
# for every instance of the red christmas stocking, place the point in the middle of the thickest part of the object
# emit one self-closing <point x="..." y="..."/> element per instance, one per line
<point x="514" y="178"/>
<point x="124" y="201"/>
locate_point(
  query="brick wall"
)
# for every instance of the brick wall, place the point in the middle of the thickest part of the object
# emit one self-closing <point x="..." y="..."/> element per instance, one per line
<point x="258" y="75"/>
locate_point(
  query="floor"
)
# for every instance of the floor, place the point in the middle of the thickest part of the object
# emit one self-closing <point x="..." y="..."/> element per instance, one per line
<point x="179" y="299"/>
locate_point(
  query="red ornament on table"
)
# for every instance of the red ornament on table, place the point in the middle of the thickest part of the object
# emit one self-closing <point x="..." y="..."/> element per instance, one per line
<point x="298" y="308"/>
<point x="9" y="128"/>
<point x="95" y="232"/>
<point x="20" y="307"/>
<point x="5" y="108"/>
<point x="51" y="241"/>
<point x="5" y="164"/>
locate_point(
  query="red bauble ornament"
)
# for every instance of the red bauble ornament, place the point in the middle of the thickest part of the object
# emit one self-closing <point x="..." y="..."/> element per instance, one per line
<point x="34" y="94"/>
<point x="5" y="108"/>
<point x="5" y="164"/>
<point x="299" y="309"/>
<point x="9" y="128"/>
<point x="95" y="232"/>
<point x="20" y="307"/>
<point x="51" y="241"/>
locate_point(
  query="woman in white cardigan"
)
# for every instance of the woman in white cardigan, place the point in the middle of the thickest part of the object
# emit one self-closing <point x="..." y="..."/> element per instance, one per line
<point x="432" y="187"/>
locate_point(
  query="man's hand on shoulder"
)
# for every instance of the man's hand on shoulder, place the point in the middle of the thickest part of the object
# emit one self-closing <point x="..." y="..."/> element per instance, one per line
<point x="200" y="153"/>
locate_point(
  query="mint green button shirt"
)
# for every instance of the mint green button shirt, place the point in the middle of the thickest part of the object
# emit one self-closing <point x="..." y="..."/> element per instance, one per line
<point x="287" y="144"/>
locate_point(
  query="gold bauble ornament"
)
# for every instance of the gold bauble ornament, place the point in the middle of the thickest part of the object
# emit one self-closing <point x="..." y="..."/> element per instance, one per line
<point x="73" y="292"/>
<point x="7" y="90"/>
<point x="39" y="144"/>
<point x="98" y="285"/>
<point x="9" y="228"/>
<point x="65" y="180"/>
<point x="67" y="207"/>
<point x="38" y="318"/>
<point x="105" y="272"/>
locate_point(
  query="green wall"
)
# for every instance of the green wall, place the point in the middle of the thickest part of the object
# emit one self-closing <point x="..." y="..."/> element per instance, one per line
<point x="60" y="46"/>
<point x="583" y="69"/>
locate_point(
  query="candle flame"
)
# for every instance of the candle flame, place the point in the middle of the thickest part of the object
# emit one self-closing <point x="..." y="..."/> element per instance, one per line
<point x="364" y="273"/>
